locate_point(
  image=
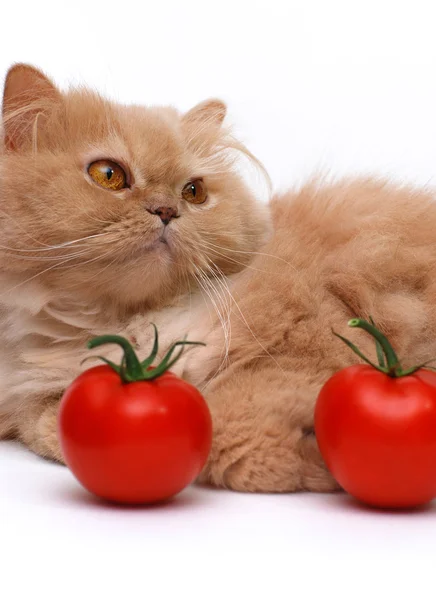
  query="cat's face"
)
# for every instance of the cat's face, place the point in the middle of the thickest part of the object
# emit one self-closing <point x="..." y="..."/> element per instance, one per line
<point x="104" y="199"/>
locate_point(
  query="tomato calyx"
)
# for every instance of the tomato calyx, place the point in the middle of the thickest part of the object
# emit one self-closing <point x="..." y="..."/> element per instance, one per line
<point x="388" y="361"/>
<point x="131" y="368"/>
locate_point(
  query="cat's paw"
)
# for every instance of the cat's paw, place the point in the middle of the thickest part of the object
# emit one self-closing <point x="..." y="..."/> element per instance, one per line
<point x="263" y="436"/>
<point x="41" y="434"/>
<point x="266" y="461"/>
<point x="47" y="433"/>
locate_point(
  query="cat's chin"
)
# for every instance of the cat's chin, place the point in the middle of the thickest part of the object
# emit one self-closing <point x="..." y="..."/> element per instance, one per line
<point x="158" y="241"/>
<point x="160" y="244"/>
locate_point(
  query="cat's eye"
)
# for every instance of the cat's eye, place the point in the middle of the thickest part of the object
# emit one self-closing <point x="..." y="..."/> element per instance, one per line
<point x="108" y="174"/>
<point x="195" y="192"/>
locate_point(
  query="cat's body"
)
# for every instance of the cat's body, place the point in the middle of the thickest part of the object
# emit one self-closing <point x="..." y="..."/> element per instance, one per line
<point x="356" y="248"/>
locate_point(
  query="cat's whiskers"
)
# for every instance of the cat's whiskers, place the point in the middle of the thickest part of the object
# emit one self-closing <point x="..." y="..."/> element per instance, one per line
<point x="189" y="288"/>
<point x="215" y="293"/>
<point x="82" y="252"/>
<point x="56" y="266"/>
<point x="91" y="217"/>
<point x="221" y="281"/>
<point x="209" y="289"/>
<point x="224" y="362"/>
<point x="206" y="246"/>
<point x="222" y="307"/>
<point x="244" y="320"/>
<point x="20" y="226"/>
<point x="48" y="248"/>
<point x="184" y="286"/>
<point x="252" y="253"/>
<point x="204" y="292"/>
<point x="227" y="329"/>
<point x="203" y="282"/>
<point x="29" y="279"/>
<point x="92" y="260"/>
<point x="41" y="259"/>
<point x="226" y="303"/>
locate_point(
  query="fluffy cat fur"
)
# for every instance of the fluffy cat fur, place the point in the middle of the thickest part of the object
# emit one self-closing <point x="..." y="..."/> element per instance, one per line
<point x="264" y="304"/>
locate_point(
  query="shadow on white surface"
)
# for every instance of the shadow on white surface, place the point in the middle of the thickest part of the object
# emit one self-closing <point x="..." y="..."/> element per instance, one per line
<point x="81" y="498"/>
<point x="344" y="502"/>
<point x="61" y="533"/>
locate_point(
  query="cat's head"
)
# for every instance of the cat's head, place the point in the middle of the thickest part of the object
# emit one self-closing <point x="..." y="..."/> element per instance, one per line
<point x="127" y="202"/>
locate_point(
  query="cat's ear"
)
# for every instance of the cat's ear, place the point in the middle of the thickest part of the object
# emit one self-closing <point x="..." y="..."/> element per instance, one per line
<point x="208" y="112"/>
<point x="28" y="98"/>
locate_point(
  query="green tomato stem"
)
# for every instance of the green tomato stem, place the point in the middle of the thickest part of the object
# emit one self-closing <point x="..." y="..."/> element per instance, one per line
<point x="360" y="354"/>
<point x="380" y="355"/>
<point x="389" y="363"/>
<point x="393" y="364"/>
<point x="131" y="369"/>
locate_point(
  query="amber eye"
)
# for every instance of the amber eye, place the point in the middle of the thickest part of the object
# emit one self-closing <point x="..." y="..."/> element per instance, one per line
<point x="108" y="174"/>
<point x="195" y="192"/>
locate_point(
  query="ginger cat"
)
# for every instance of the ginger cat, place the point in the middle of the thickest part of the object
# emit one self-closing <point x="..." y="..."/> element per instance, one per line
<point x="113" y="217"/>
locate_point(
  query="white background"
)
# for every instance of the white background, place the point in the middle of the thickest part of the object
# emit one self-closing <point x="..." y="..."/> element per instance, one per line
<point x="339" y="86"/>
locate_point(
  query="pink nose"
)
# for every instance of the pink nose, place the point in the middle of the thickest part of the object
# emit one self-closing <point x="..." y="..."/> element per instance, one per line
<point x="166" y="213"/>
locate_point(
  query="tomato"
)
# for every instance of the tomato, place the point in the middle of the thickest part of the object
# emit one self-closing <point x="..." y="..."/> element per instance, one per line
<point x="376" y="430"/>
<point x="134" y="441"/>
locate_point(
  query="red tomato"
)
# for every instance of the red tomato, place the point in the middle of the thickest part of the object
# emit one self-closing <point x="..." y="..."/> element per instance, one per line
<point x="377" y="435"/>
<point x="138" y="442"/>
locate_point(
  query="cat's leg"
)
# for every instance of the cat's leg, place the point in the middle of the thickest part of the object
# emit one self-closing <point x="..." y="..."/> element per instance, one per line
<point x="263" y="433"/>
<point x="34" y="392"/>
<point x="32" y="396"/>
<point x="37" y="427"/>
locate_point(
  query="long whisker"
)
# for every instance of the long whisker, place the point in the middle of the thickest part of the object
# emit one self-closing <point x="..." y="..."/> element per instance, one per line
<point x="203" y="281"/>
<point x="18" y="285"/>
<point x="223" y="309"/>
<point x="227" y="329"/>
<point x="19" y="225"/>
<point x="40" y="259"/>
<point x="233" y="260"/>
<point x="55" y="246"/>
<point x="244" y="320"/>
<point x="251" y="253"/>
<point x="56" y="266"/>
<point x="204" y="292"/>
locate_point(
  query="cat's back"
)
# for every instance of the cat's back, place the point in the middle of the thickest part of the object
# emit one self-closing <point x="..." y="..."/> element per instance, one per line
<point x="365" y="224"/>
<point x="362" y="247"/>
<point x="352" y="240"/>
<point x="334" y="213"/>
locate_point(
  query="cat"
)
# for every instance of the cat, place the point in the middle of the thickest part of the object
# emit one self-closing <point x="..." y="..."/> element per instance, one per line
<point x="261" y="286"/>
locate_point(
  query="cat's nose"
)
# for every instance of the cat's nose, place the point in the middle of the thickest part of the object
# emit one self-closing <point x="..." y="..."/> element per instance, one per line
<point x="166" y="213"/>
